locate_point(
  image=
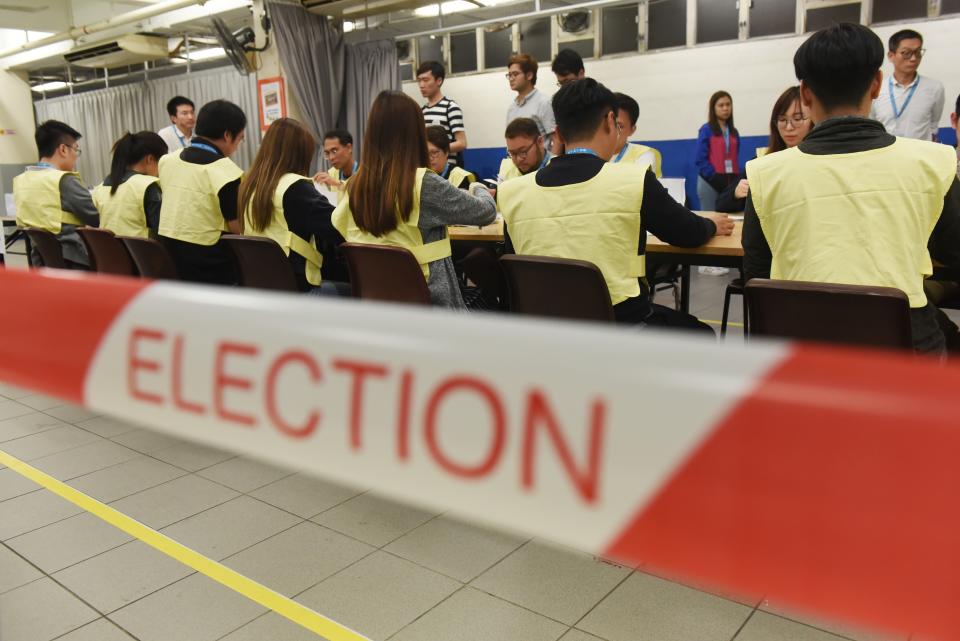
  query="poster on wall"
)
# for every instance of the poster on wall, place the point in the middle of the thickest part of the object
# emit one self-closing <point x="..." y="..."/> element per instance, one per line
<point x="273" y="103"/>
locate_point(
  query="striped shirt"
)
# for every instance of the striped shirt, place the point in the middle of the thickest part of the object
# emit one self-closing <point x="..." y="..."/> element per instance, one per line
<point x="447" y="114"/>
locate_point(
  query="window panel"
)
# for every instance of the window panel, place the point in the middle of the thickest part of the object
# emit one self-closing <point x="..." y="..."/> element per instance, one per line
<point x="535" y="38"/>
<point x="406" y="71"/>
<point x="463" y="52"/>
<point x="667" y="21"/>
<point x="430" y="48"/>
<point x="828" y="16"/>
<point x="498" y="47"/>
<point x="583" y="47"/>
<point x="888" y="10"/>
<point x="620" y="29"/>
<point x="949" y="6"/>
<point x="772" y="17"/>
<point x="717" y="20"/>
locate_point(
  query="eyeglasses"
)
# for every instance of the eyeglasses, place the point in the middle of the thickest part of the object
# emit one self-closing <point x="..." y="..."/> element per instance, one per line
<point x="436" y="153"/>
<point x="76" y="149"/>
<point x="333" y="151"/>
<point x="513" y="74"/>
<point x="907" y="54"/>
<point x="796" y="120"/>
<point x="521" y="153"/>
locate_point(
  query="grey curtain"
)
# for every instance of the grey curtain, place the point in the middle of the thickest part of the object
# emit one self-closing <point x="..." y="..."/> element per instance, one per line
<point x="371" y="68"/>
<point x="102" y="116"/>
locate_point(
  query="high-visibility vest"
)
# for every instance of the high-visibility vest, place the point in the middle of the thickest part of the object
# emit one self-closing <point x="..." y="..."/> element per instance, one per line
<point x="36" y="195"/>
<point x="191" y="209"/>
<point x="597" y="220"/>
<point x="859" y="218"/>
<point x="457" y="175"/>
<point x="279" y="231"/>
<point x="123" y="212"/>
<point x="508" y="170"/>
<point x="635" y="154"/>
<point x="406" y="235"/>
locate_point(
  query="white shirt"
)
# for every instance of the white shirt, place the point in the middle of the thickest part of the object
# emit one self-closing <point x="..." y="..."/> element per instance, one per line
<point x="175" y="139"/>
<point x="921" y="117"/>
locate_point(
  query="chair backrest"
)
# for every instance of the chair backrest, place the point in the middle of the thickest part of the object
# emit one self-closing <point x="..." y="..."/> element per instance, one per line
<point x="150" y="257"/>
<point x="107" y="254"/>
<point x="825" y="312"/>
<point x="47" y="248"/>
<point x="261" y="263"/>
<point x="557" y="287"/>
<point x="384" y="273"/>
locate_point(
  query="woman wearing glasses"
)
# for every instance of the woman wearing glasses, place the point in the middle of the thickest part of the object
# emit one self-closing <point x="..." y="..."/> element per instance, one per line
<point x="438" y="150"/>
<point x="789" y="125"/>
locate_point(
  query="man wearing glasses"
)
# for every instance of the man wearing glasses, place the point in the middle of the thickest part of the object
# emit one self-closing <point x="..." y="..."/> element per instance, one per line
<point x="530" y="102"/>
<point x="909" y="106"/>
<point x="525" y="149"/>
<point x="50" y="196"/>
<point x="338" y="150"/>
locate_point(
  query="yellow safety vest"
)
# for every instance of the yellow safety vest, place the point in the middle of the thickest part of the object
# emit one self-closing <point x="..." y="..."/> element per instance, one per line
<point x="123" y="213"/>
<point x="635" y="153"/>
<point x="406" y="235"/>
<point x="859" y="219"/>
<point x="762" y="151"/>
<point x="508" y="170"/>
<point x="36" y="195"/>
<point x="278" y="231"/>
<point x="597" y="220"/>
<point x="457" y="175"/>
<point x="191" y="210"/>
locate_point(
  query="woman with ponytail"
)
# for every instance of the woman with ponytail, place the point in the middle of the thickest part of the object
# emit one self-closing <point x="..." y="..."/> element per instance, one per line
<point x="129" y="198"/>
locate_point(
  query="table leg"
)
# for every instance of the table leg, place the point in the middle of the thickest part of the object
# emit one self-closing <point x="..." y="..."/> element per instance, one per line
<point x="685" y="288"/>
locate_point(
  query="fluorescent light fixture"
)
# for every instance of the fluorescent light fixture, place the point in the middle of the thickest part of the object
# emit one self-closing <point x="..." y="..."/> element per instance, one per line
<point x="348" y="26"/>
<point x="49" y="86"/>
<point x="206" y="54"/>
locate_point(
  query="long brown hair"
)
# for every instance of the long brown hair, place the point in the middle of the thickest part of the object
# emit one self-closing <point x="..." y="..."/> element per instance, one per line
<point x="780" y="107"/>
<point x="712" y="113"/>
<point x="287" y="148"/>
<point x="394" y="147"/>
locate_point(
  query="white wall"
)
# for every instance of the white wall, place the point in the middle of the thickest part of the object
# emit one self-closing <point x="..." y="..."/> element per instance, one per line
<point x="673" y="87"/>
<point x="16" y="115"/>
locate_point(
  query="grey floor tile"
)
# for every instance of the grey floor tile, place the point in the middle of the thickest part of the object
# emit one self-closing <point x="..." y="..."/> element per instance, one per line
<point x="645" y="608"/>
<point x="31" y="511"/>
<point x="69" y="541"/>
<point x="298" y="558"/>
<point x="178" y="499"/>
<point x="14" y="571"/>
<point x="13" y="409"/>
<point x="769" y="627"/>
<point x="304" y="495"/>
<point x="40" y="401"/>
<point x="557" y="582"/>
<point x="230" y="527"/>
<point x="841" y="629"/>
<point x="72" y="413"/>
<point x="84" y="459"/>
<point x="14" y="484"/>
<point x="25" y="425"/>
<point x="272" y="627"/>
<point x="579" y="635"/>
<point x="373" y="519"/>
<point x="27" y="612"/>
<point x="191" y="456"/>
<point x="58" y="439"/>
<point x="127" y="478"/>
<point x="244" y="474"/>
<point x="471" y="615"/>
<point x="113" y="579"/>
<point x="106" y="426"/>
<point x="146" y="441"/>
<point x="13" y="392"/>
<point x="195" y="609"/>
<point x="455" y="548"/>
<point x="99" y="630"/>
<point x="379" y="595"/>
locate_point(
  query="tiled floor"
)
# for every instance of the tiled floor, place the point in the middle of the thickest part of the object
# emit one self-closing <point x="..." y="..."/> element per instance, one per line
<point x="385" y="569"/>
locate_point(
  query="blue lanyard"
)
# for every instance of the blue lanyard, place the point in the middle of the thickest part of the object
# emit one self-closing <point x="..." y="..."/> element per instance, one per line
<point x="546" y="158"/>
<point x="582" y="150"/>
<point x="176" y="132"/>
<point x="446" y="170"/>
<point x="893" y="101"/>
<point x="726" y="139"/>
<point x="203" y="145"/>
<point x="45" y="165"/>
<point x="622" y="152"/>
<point x="356" y="163"/>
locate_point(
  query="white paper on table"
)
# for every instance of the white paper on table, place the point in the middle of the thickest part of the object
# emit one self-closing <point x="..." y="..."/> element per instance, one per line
<point x="331" y="195"/>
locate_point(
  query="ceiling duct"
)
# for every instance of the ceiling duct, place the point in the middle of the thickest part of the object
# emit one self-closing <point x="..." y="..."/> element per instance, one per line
<point x="126" y="50"/>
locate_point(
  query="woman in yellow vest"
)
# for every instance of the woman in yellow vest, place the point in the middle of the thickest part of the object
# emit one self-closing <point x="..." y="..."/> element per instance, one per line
<point x="129" y="198"/>
<point x="395" y="199"/>
<point x="438" y="149"/>
<point x="280" y="202"/>
<point x="628" y="112"/>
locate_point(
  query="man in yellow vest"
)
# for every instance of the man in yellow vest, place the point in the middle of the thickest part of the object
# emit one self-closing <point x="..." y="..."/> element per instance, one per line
<point x="628" y="112"/>
<point x="853" y="204"/>
<point x="583" y="207"/>
<point x="50" y="196"/>
<point x="200" y="185"/>
<point x="526" y="152"/>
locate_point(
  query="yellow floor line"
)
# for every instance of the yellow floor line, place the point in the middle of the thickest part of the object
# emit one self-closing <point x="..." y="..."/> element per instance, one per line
<point x="713" y="322"/>
<point x="237" y="582"/>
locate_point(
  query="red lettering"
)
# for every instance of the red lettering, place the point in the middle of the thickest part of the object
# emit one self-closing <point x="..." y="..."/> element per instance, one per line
<point x="403" y="415"/>
<point x="178" y="400"/>
<point x="296" y="431"/>
<point x="134" y="363"/>
<point x="499" y="426"/>
<point x="360" y="372"/>
<point x="221" y="381"/>
<point x="538" y="412"/>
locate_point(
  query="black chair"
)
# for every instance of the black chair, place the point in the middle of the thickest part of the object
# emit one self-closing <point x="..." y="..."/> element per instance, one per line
<point x="557" y="287"/>
<point x="150" y="257"/>
<point x="47" y="248"/>
<point x="107" y="254"/>
<point x="734" y="287"/>
<point x="261" y="263"/>
<point x="849" y="314"/>
<point x="385" y="273"/>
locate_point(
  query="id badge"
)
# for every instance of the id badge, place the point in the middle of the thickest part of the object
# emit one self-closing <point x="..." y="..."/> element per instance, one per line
<point x="728" y="166"/>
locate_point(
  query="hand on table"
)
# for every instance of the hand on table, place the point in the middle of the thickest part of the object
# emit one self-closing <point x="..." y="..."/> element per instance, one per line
<point x="723" y="222"/>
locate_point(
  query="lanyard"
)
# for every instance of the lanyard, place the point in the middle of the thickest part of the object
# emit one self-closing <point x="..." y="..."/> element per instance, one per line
<point x="446" y="170"/>
<point x="893" y="101"/>
<point x="622" y="152"/>
<point x="546" y="158"/>
<point x="582" y="150"/>
<point x="726" y="139"/>
<point x="353" y="170"/>
<point x="45" y="165"/>
<point x="203" y="145"/>
<point x="176" y="132"/>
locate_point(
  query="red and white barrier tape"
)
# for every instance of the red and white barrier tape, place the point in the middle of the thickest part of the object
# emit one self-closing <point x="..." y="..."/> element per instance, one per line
<point x="825" y="480"/>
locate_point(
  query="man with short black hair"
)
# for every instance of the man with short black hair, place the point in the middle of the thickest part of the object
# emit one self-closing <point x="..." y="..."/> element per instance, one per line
<point x="182" y="119"/>
<point x="526" y="151"/>
<point x="338" y="150"/>
<point x="582" y="207"/>
<point x="568" y="66"/>
<point x="200" y="185"/>
<point x="440" y="110"/>
<point x="50" y="196"/>
<point x="530" y="102"/>
<point x="852" y="204"/>
<point x="908" y="105"/>
<point x="628" y="112"/>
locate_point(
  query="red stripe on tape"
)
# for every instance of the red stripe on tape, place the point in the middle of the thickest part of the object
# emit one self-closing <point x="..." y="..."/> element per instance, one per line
<point x="50" y="351"/>
<point x="832" y="487"/>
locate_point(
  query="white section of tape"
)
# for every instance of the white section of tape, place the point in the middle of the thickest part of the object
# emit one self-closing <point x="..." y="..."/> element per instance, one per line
<point x="493" y="418"/>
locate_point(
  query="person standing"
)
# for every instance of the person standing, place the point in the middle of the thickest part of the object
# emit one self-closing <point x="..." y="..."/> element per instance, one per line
<point x="567" y="67"/>
<point x="529" y="103"/>
<point x="182" y="119"/>
<point x="908" y="106"/>
<point x="718" y="145"/>
<point x="440" y="110"/>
